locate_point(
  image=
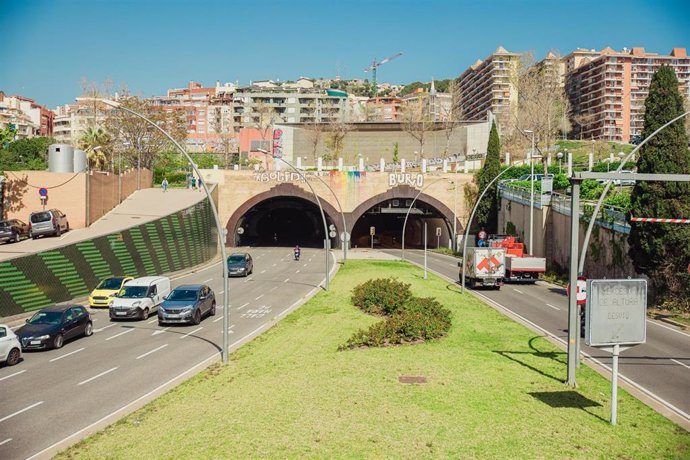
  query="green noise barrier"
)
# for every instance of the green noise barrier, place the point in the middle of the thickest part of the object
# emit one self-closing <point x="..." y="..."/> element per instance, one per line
<point x="175" y="242"/>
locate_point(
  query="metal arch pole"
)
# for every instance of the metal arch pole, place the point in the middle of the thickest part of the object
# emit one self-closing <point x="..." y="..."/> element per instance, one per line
<point x="318" y="201"/>
<point x="469" y="224"/>
<point x="573" y="325"/>
<point x="597" y="208"/>
<point x="410" y="209"/>
<point x="226" y="294"/>
<point x="345" y="243"/>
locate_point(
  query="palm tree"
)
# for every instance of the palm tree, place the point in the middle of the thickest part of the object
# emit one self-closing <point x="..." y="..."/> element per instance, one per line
<point x="95" y="141"/>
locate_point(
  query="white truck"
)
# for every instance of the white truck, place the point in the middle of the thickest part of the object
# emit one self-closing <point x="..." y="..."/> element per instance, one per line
<point x="524" y="268"/>
<point x="485" y="267"/>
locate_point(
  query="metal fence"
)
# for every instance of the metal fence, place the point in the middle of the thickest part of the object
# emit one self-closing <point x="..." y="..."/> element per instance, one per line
<point x="175" y="242"/>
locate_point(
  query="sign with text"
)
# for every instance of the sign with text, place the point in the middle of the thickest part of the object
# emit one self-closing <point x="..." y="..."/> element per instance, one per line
<point x="616" y="312"/>
<point x="413" y="180"/>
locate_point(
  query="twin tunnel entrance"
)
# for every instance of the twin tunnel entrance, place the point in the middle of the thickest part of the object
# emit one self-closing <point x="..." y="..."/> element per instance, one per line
<point x="288" y="220"/>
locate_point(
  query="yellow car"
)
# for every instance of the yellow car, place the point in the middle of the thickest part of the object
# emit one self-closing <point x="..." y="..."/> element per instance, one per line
<point x="103" y="295"/>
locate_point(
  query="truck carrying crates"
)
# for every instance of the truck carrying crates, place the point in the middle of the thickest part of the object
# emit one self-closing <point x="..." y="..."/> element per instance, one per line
<point x="519" y="267"/>
<point x="485" y="267"/>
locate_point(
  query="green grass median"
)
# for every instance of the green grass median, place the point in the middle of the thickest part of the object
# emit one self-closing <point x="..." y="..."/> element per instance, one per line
<point x="493" y="390"/>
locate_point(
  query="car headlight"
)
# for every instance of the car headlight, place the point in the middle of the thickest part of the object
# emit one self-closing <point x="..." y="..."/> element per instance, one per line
<point x="161" y="309"/>
<point x="43" y="337"/>
<point x="188" y="308"/>
<point x="113" y="294"/>
<point x="136" y="304"/>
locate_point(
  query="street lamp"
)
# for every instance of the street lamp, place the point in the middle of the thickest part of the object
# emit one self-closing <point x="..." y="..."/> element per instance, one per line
<point x="219" y="227"/>
<point x="318" y="202"/>
<point x="531" y="194"/>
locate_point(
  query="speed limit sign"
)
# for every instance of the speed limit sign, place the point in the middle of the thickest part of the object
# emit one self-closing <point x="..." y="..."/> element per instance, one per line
<point x="581" y="292"/>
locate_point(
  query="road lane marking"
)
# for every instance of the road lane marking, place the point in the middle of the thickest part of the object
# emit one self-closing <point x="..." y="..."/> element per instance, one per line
<point x="221" y="292"/>
<point x="103" y="328"/>
<point x="161" y="331"/>
<point x="273" y="288"/>
<point x="297" y="272"/>
<point x="259" y="297"/>
<point x="678" y="362"/>
<point x="20" y="411"/>
<point x="152" y="351"/>
<point x="669" y="328"/>
<point x="66" y="355"/>
<point x="12" y="375"/>
<point x="555" y="308"/>
<point x="240" y="308"/>
<point x="118" y="335"/>
<point x="190" y="333"/>
<point x="518" y="291"/>
<point x="207" y="281"/>
<point x="218" y="319"/>
<point x="286" y="280"/>
<point x="96" y="376"/>
<point x="273" y="265"/>
<point x="5" y="441"/>
<point x="263" y="271"/>
<point x="153" y="321"/>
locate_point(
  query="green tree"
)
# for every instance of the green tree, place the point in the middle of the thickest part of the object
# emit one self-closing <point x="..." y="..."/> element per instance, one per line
<point x="396" y="153"/>
<point x="26" y="154"/>
<point x="487" y="210"/>
<point x="662" y="251"/>
<point x="6" y="136"/>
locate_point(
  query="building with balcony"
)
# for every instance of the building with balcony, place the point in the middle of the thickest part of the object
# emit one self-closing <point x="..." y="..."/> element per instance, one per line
<point x="28" y="118"/>
<point x="607" y="89"/>
<point x="488" y="85"/>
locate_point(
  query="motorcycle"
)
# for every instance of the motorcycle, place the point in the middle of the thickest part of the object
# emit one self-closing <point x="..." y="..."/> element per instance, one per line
<point x="297" y="255"/>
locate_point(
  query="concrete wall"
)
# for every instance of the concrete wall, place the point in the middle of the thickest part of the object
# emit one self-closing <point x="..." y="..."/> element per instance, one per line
<point x="105" y="190"/>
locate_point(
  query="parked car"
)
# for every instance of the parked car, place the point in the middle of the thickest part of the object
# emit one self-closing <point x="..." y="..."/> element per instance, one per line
<point x="52" y="326"/>
<point x="240" y="264"/>
<point x="13" y="230"/>
<point x="623" y="182"/>
<point x="10" y="348"/>
<point x="106" y="290"/>
<point x="139" y="297"/>
<point x="50" y="222"/>
<point x="536" y="177"/>
<point x="187" y="304"/>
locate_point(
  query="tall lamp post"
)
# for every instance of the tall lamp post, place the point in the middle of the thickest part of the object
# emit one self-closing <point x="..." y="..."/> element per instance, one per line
<point x="531" y="195"/>
<point x="219" y="227"/>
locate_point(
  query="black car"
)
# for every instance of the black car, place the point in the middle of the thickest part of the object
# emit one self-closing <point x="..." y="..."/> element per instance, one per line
<point x="50" y="327"/>
<point x="240" y="264"/>
<point x="13" y="230"/>
<point x="187" y="304"/>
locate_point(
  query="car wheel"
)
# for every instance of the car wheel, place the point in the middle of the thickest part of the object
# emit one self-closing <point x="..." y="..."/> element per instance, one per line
<point x="58" y="341"/>
<point x="88" y="330"/>
<point x="13" y="357"/>
<point x="145" y="313"/>
<point x="196" y="319"/>
<point x="160" y="323"/>
<point x="15" y="237"/>
<point x="33" y="237"/>
<point x="213" y="309"/>
<point x="58" y="232"/>
<point x="67" y="230"/>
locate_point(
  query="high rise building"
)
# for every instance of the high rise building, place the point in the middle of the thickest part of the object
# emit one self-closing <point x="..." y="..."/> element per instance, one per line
<point x="488" y="85"/>
<point x="607" y="89"/>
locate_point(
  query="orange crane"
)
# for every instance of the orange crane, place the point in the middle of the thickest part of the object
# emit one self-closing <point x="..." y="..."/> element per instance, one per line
<point x="373" y="67"/>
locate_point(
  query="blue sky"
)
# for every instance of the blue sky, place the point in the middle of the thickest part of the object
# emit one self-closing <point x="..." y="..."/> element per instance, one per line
<point x="153" y="45"/>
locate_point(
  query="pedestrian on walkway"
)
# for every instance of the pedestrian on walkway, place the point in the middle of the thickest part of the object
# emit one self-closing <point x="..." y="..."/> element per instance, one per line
<point x="193" y="183"/>
<point x="164" y="184"/>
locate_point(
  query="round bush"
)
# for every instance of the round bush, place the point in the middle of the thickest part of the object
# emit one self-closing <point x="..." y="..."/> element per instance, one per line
<point x="382" y="296"/>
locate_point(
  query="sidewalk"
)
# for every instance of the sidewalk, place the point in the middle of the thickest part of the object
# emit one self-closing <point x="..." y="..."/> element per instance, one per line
<point x="142" y="206"/>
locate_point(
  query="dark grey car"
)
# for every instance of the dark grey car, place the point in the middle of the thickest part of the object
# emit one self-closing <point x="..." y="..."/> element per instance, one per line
<point x="187" y="304"/>
<point x="13" y="230"/>
<point x="240" y="264"/>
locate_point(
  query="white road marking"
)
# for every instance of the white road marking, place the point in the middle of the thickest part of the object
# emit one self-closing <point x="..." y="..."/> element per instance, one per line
<point x="297" y="271"/>
<point x="207" y="281"/>
<point x="190" y="333"/>
<point x="121" y="333"/>
<point x="153" y="321"/>
<point x="5" y="441"/>
<point x="240" y="308"/>
<point x="66" y="355"/>
<point x="101" y="329"/>
<point x="20" y="411"/>
<point x="218" y="319"/>
<point x="96" y="376"/>
<point x="678" y="362"/>
<point x="12" y="375"/>
<point x="549" y="305"/>
<point x="259" y="297"/>
<point x="273" y="265"/>
<point x="221" y="292"/>
<point x="286" y="280"/>
<point x="263" y="271"/>
<point x="669" y="328"/>
<point x="273" y="288"/>
<point x="152" y="351"/>
<point x="161" y="331"/>
<point x="518" y="291"/>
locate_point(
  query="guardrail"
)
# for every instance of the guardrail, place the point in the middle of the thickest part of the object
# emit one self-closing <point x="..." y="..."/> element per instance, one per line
<point x="180" y="240"/>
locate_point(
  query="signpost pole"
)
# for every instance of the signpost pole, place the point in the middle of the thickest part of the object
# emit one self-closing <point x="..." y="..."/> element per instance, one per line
<point x="573" y="326"/>
<point x="614" y="384"/>
<point x="424" y="249"/>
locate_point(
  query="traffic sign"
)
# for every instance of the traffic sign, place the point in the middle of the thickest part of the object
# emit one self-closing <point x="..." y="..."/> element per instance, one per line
<point x="43" y="191"/>
<point x="240" y="230"/>
<point x="344" y="236"/>
<point x="372" y="231"/>
<point x="616" y="312"/>
<point x="438" y="231"/>
<point x="581" y="292"/>
<point x="331" y="228"/>
<point x="332" y="234"/>
<point x="482" y="235"/>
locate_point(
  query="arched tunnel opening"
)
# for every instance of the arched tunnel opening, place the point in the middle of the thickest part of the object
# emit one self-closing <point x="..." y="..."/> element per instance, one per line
<point x="387" y="219"/>
<point x="282" y="221"/>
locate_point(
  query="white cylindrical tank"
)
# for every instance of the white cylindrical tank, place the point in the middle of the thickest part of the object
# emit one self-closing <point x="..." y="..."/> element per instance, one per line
<point x="79" y="160"/>
<point x="60" y="158"/>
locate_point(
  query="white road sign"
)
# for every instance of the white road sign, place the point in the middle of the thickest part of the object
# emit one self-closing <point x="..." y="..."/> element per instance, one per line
<point x="616" y="312"/>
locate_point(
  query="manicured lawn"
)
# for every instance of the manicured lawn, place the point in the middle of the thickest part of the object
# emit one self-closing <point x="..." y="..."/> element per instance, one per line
<point x="494" y="390"/>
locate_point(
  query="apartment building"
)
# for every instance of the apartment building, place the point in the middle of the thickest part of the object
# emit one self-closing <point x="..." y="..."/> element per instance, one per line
<point x="383" y="108"/>
<point x="488" y="85"/>
<point x="439" y="105"/>
<point x="607" y="89"/>
<point x="71" y="120"/>
<point x="28" y="118"/>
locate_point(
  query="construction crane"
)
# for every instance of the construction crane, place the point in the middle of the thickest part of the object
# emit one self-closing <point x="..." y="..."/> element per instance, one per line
<point x="375" y="65"/>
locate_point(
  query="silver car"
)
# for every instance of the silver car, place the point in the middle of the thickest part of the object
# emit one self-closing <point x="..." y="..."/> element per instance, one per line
<point x="50" y="222"/>
<point x="10" y="348"/>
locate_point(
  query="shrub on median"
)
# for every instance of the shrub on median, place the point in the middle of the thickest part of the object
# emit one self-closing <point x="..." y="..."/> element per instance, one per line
<point x="382" y="296"/>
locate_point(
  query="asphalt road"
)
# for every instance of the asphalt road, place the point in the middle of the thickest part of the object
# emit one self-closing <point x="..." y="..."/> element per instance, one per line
<point x="63" y="394"/>
<point x="660" y="368"/>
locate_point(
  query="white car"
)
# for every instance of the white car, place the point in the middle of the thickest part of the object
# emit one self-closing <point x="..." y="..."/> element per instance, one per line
<point x="10" y="348"/>
<point x="139" y="297"/>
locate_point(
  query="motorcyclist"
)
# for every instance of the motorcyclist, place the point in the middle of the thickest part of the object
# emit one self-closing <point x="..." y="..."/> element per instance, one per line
<point x="297" y="252"/>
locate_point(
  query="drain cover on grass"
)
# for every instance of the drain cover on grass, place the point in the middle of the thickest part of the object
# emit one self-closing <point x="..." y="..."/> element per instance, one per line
<point x="411" y="379"/>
